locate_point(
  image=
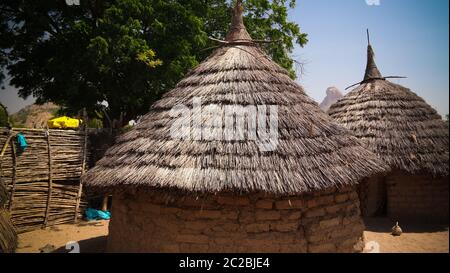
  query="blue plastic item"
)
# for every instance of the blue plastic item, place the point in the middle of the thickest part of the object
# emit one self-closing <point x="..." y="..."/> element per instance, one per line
<point x="22" y="141"/>
<point x="104" y="215"/>
<point x="94" y="214"/>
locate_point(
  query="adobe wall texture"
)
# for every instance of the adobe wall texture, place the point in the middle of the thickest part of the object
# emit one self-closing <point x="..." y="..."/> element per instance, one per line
<point x="418" y="198"/>
<point x="328" y="221"/>
<point x="373" y="196"/>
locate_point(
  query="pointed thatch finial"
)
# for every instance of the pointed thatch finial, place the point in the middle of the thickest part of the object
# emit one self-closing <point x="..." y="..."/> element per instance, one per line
<point x="237" y="28"/>
<point x="372" y="71"/>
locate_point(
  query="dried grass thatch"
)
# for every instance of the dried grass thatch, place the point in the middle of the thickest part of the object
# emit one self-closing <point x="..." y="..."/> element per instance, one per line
<point x="395" y="123"/>
<point x="3" y="194"/>
<point x="8" y="235"/>
<point x="313" y="152"/>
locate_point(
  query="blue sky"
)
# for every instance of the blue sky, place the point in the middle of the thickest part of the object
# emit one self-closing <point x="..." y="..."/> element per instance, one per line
<point x="410" y="38"/>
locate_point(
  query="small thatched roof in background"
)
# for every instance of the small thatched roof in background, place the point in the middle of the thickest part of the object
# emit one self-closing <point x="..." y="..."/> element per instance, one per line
<point x="313" y="152"/>
<point x="395" y="123"/>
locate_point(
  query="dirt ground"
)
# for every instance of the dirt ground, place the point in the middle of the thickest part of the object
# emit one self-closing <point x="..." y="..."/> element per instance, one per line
<point x="91" y="237"/>
<point x="416" y="238"/>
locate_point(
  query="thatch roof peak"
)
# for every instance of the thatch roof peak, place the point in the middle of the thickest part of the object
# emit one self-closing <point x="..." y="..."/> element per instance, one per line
<point x="237" y="31"/>
<point x="372" y="72"/>
<point x="395" y="123"/>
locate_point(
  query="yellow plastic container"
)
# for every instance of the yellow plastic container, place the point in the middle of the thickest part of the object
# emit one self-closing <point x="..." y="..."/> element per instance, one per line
<point x="64" y="123"/>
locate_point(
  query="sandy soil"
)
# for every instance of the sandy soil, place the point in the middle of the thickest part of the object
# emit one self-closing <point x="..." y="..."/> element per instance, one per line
<point x="416" y="238"/>
<point x="91" y="237"/>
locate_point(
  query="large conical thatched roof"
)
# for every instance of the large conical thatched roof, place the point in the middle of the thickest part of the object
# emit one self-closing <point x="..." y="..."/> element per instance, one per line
<point x="312" y="152"/>
<point x="395" y="123"/>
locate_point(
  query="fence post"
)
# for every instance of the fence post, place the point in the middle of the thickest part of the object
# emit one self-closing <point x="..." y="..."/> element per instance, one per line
<point x="83" y="166"/>
<point x="50" y="178"/>
<point x="14" y="174"/>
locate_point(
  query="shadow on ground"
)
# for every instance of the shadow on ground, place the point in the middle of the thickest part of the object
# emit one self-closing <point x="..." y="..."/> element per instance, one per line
<point x="91" y="245"/>
<point x="97" y="223"/>
<point x="378" y="224"/>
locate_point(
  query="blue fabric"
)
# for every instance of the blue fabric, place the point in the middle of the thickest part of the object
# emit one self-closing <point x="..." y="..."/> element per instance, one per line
<point x="21" y="140"/>
<point x="104" y="215"/>
<point x="94" y="214"/>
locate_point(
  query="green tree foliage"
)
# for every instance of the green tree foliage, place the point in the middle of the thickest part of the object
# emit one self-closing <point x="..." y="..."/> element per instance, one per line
<point x="125" y="52"/>
<point x="5" y="44"/>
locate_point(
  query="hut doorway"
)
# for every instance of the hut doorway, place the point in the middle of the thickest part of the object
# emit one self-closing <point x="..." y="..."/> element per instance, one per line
<point x="373" y="197"/>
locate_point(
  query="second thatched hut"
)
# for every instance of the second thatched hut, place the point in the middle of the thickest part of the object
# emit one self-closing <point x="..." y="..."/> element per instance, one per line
<point x="408" y="135"/>
<point x="219" y="188"/>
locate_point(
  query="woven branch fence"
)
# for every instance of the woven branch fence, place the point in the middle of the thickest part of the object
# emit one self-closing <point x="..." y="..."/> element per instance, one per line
<point x="43" y="181"/>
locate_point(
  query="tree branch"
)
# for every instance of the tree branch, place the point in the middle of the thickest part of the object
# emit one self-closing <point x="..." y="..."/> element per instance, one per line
<point x="55" y="28"/>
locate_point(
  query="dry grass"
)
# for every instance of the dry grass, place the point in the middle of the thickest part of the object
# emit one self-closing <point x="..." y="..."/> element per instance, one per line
<point x="395" y="123"/>
<point x="8" y="236"/>
<point x="313" y="152"/>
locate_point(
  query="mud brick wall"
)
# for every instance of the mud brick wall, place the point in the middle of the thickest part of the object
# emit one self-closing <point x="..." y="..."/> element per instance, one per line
<point x="418" y="198"/>
<point x="328" y="221"/>
<point x="372" y="196"/>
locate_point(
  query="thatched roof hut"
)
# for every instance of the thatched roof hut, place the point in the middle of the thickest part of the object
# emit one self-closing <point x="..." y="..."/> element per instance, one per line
<point x="232" y="194"/>
<point x="313" y="153"/>
<point x="405" y="132"/>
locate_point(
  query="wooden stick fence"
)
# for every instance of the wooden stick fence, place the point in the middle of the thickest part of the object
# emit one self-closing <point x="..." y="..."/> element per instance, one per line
<point x="43" y="181"/>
